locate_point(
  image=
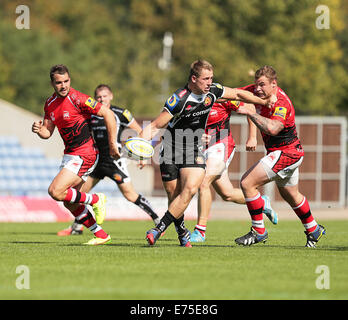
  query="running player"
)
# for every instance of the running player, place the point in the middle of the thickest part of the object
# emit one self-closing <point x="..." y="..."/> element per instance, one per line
<point x="107" y="166"/>
<point x="182" y="163"/>
<point x="70" y="111"/>
<point x="219" y="152"/>
<point x="281" y="164"/>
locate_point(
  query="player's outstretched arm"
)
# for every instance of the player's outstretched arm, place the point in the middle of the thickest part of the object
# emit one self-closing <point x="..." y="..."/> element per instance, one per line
<point x="44" y="129"/>
<point x="156" y="125"/>
<point x="269" y="126"/>
<point x="246" y="96"/>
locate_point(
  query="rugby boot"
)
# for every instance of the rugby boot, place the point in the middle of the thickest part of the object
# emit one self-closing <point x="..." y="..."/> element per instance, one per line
<point x="268" y="211"/>
<point x="74" y="229"/>
<point x="98" y="241"/>
<point x="100" y="209"/>
<point x="196" y="236"/>
<point x="153" y="235"/>
<point x="314" y="237"/>
<point x="184" y="239"/>
<point x="252" y="237"/>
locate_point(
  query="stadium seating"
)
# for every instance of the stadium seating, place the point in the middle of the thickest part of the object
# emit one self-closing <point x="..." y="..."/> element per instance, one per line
<point x="28" y="172"/>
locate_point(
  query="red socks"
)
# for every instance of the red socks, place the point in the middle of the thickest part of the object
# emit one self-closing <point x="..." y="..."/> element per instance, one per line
<point x="255" y="206"/>
<point x="201" y="229"/>
<point x="83" y="216"/>
<point x="303" y="211"/>
<point x="74" y="196"/>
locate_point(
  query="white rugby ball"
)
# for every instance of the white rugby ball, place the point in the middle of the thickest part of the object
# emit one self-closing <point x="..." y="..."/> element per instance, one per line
<point x="138" y="148"/>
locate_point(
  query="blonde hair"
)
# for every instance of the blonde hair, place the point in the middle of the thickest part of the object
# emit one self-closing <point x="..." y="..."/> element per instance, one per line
<point x="197" y="66"/>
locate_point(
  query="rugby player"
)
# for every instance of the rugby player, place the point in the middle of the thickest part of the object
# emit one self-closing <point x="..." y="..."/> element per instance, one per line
<point x="282" y="162"/>
<point x="107" y="166"/>
<point x="70" y="111"/>
<point x="219" y="151"/>
<point x="182" y="162"/>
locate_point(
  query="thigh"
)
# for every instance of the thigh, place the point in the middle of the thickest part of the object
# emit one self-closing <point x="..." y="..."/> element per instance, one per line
<point x="191" y="178"/>
<point x="215" y="166"/>
<point x="222" y="184"/>
<point x="255" y="177"/>
<point x="64" y="180"/>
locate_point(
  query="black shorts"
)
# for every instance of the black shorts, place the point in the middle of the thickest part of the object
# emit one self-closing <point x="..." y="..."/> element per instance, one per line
<point x="173" y="160"/>
<point x="171" y="172"/>
<point x="116" y="170"/>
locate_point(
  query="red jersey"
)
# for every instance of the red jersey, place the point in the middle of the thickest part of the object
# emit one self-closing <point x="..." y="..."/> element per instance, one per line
<point x="71" y="115"/>
<point x="283" y="111"/>
<point x="218" y="123"/>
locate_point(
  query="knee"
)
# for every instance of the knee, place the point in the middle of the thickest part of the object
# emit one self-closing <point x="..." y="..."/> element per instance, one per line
<point x="55" y="194"/>
<point x="204" y="187"/>
<point x="226" y="197"/>
<point x="244" y="185"/>
<point x="191" y="190"/>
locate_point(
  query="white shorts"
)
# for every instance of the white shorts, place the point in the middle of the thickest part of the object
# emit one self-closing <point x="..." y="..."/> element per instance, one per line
<point x="220" y="152"/>
<point x="289" y="173"/>
<point x="80" y="165"/>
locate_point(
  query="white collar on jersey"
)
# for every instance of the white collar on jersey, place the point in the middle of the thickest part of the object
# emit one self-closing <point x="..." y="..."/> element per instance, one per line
<point x="197" y="97"/>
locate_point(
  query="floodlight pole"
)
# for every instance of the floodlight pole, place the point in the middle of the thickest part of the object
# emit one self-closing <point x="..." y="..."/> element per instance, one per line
<point x="165" y="61"/>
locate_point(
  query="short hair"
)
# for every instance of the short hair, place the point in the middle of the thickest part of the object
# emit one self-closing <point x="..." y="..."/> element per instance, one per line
<point x="197" y="66"/>
<point x="266" y="71"/>
<point x="60" y="69"/>
<point x="101" y="87"/>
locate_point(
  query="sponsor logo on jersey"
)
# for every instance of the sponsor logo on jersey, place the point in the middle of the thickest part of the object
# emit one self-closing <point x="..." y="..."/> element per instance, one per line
<point x="66" y="115"/>
<point x="117" y="177"/>
<point x="182" y="93"/>
<point x="128" y="115"/>
<point x="91" y="103"/>
<point x="172" y="101"/>
<point x="280" y="112"/>
<point x="207" y="101"/>
<point x="235" y="104"/>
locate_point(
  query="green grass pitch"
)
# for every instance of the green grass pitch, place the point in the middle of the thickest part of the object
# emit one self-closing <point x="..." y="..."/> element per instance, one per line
<point x="128" y="269"/>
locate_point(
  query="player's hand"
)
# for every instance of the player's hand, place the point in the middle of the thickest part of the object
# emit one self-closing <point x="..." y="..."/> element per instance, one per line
<point x="36" y="127"/>
<point x="246" y="108"/>
<point x="251" y="144"/>
<point x="114" y="153"/>
<point x="141" y="164"/>
<point x="205" y="138"/>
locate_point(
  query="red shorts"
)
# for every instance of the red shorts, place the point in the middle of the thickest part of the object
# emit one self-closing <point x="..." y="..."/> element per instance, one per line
<point x="80" y="165"/>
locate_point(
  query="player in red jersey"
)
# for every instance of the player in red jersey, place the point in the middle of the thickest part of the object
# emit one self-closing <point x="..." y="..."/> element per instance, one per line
<point x="219" y="152"/>
<point x="281" y="164"/>
<point x="70" y="110"/>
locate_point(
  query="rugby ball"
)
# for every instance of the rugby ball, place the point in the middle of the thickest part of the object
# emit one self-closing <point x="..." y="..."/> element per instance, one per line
<point x="138" y="148"/>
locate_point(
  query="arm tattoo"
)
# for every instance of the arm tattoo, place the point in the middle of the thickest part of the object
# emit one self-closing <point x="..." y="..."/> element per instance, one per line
<point x="267" y="126"/>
